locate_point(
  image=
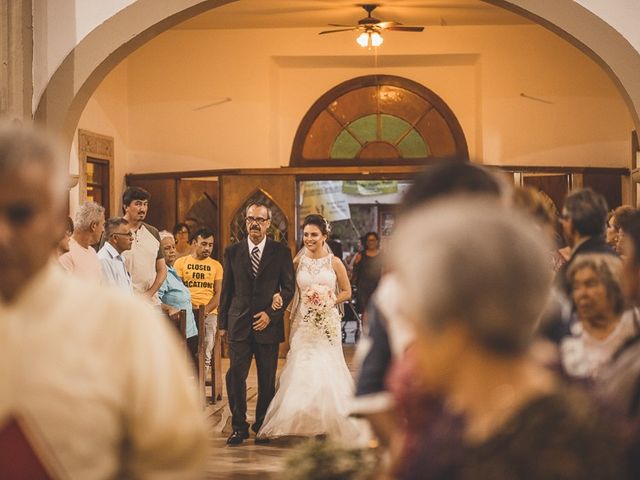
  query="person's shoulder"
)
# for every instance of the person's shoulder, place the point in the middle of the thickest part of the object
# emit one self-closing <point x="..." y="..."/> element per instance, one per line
<point x="234" y="247"/>
<point x="152" y="230"/>
<point x="213" y="262"/>
<point x="181" y="261"/>
<point x="279" y="246"/>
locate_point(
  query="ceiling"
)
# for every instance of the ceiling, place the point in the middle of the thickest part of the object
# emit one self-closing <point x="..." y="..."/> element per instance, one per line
<point x="319" y="13"/>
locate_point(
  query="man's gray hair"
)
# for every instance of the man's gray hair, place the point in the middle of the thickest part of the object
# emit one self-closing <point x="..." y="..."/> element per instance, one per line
<point x="165" y="234"/>
<point x="112" y="225"/>
<point x="258" y="204"/>
<point x="88" y="213"/>
<point x="21" y="146"/>
<point x="475" y="263"/>
<point x="608" y="269"/>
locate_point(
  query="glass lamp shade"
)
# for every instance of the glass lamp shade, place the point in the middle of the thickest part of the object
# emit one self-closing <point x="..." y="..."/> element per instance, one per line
<point x="376" y="39"/>
<point x="363" y="39"/>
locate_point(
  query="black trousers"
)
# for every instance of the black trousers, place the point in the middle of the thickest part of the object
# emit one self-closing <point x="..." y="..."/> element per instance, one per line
<point x="192" y="346"/>
<point x="240" y="355"/>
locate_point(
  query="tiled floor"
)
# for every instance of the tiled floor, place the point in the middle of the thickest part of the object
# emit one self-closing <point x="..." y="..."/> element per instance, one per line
<point x="246" y="461"/>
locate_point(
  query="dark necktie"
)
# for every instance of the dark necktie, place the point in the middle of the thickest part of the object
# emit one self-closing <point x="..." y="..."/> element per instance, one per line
<point x="255" y="260"/>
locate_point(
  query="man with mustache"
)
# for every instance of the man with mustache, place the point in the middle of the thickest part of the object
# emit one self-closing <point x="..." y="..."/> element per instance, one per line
<point x="202" y="275"/>
<point x="145" y="260"/>
<point x="255" y="270"/>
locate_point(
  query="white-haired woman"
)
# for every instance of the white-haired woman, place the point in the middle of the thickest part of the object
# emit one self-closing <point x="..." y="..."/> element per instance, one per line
<point x="175" y="296"/>
<point x="475" y="279"/>
<point x="603" y="326"/>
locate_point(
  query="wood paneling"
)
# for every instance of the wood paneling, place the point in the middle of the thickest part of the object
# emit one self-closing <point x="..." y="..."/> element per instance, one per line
<point x="235" y="189"/>
<point x="608" y="185"/>
<point x="556" y="186"/>
<point x="162" y="212"/>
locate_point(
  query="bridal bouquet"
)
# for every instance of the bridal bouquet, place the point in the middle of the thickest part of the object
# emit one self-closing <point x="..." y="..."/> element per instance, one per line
<point x="320" y="301"/>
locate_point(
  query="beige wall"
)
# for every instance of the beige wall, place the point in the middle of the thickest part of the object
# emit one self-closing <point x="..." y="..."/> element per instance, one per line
<point x="107" y="113"/>
<point x="273" y="77"/>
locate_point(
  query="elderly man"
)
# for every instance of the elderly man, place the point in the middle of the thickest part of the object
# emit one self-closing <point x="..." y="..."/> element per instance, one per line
<point x="118" y="239"/>
<point x="90" y="376"/>
<point x="81" y="259"/>
<point x="145" y="260"/>
<point x="203" y="276"/>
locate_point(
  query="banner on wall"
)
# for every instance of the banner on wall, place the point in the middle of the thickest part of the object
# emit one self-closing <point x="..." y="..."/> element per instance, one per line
<point x="325" y="198"/>
<point x="370" y="187"/>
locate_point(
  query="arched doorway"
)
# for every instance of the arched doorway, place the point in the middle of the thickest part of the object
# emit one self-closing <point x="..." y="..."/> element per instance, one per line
<point x="377" y="119"/>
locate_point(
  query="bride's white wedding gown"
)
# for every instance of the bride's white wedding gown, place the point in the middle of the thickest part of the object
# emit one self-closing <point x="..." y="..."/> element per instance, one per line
<point x="315" y="386"/>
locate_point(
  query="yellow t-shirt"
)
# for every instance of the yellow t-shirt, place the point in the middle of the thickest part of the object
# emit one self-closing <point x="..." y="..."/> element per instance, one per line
<point x="199" y="277"/>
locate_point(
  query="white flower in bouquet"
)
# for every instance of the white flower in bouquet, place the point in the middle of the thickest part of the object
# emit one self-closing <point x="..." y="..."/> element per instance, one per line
<point x="320" y="301"/>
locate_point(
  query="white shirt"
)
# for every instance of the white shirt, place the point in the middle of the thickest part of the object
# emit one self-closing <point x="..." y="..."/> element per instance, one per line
<point x="260" y="246"/>
<point x="100" y="380"/>
<point x="114" y="270"/>
<point x="141" y="260"/>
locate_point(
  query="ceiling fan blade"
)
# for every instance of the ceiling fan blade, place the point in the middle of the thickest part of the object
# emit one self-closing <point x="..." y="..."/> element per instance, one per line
<point x="335" y="31"/>
<point x="386" y="24"/>
<point x="338" y="25"/>
<point x="406" y="29"/>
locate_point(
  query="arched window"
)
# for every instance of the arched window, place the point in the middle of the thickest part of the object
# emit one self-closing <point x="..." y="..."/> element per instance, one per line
<point x="377" y="119"/>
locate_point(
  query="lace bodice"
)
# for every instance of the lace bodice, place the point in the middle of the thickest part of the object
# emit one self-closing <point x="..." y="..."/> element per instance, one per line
<point x="315" y="271"/>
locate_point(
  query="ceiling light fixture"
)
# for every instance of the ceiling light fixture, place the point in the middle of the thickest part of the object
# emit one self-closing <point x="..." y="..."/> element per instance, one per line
<point x="369" y="39"/>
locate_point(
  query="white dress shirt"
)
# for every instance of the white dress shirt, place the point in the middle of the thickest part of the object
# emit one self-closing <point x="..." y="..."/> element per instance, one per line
<point x="114" y="270"/>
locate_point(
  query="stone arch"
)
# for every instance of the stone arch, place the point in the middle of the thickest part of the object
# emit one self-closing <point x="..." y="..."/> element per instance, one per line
<point x="75" y="80"/>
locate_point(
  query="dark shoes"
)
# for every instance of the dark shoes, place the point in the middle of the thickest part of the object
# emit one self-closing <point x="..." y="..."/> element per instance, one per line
<point x="237" y="437"/>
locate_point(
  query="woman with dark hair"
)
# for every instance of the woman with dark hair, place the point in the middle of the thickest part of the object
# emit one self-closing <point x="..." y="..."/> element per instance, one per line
<point x="315" y="384"/>
<point x="182" y="234"/>
<point x="367" y="270"/>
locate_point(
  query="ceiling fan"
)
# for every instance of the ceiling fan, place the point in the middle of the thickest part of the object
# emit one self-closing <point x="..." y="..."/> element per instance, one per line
<point x="371" y="28"/>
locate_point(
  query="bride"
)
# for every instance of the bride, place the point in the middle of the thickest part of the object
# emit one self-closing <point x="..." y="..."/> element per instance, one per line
<point x="315" y="386"/>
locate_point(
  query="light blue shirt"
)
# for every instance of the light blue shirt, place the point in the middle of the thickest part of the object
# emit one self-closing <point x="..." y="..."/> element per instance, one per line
<point x="114" y="270"/>
<point x="173" y="292"/>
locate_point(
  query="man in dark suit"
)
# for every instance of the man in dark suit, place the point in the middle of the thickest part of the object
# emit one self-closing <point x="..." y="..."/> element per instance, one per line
<point x="254" y="270"/>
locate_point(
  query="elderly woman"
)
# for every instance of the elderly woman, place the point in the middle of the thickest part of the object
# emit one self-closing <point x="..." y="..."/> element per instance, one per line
<point x="475" y="279"/>
<point x="603" y="326"/>
<point x="175" y="296"/>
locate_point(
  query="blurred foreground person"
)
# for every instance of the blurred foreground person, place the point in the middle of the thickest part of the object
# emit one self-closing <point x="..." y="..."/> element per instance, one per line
<point x="491" y="412"/>
<point x="93" y="384"/>
<point x="618" y="222"/>
<point x="619" y="381"/>
<point x="388" y="336"/>
<point x="603" y="326"/>
<point x="63" y="244"/>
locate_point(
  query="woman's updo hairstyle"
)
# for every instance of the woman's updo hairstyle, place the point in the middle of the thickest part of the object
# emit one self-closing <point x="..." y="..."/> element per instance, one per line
<point x="318" y="221"/>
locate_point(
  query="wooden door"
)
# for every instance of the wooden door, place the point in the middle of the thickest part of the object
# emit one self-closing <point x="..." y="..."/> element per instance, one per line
<point x="236" y="191"/>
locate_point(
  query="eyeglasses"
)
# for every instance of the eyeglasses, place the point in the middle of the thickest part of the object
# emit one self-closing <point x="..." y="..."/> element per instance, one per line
<point x="130" y="235"/>
<point x="182" y="231"/>
<point x="259" y="220"/>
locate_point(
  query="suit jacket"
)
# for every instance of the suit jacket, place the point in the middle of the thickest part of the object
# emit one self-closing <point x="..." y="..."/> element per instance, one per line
<point x="243" y="295"/>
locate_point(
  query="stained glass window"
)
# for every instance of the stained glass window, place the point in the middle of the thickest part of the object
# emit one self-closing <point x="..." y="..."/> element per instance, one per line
<point x="379" y="118"/>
